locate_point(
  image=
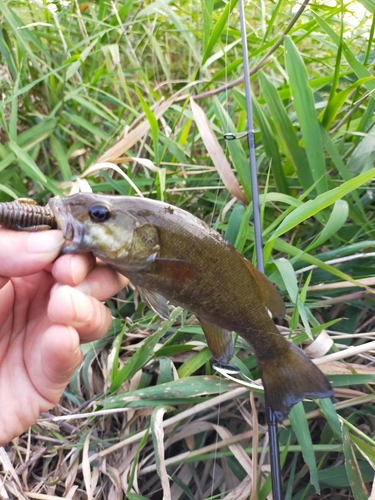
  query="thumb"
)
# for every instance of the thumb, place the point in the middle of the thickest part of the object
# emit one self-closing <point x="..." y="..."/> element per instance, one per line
<point x="23" y="253"/>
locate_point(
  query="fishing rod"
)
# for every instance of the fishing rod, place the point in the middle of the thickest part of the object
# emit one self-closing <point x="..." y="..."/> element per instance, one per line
<point x="271" y="418"/>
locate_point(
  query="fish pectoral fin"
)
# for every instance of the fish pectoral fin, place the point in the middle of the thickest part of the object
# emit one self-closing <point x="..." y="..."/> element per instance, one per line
<point x="219" y="341"/>
<point x="267" y="292"/>
<point x="155" y="301"/>
<point x="175" y="269"/>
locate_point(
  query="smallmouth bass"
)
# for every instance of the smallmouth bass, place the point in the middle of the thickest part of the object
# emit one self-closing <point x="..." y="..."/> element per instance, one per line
<point x="171" y="255"/>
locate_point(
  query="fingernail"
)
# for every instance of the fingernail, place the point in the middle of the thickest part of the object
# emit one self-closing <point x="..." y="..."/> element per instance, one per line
<point x="45" y="241"/>
<point x="75" y="345"/>
<point x="83" y="307"/>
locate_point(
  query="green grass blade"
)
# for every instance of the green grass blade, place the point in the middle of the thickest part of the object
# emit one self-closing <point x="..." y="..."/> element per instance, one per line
<point x="218" y="30"/>
<point x="363" y="155"/>
<point x="289" y="278"/>
<point x="153" y="125"/>
<point x="357" y="212"/>
<point x="207" y="10"/>
<point x="80" y="122"/>
<point x="26" y="38"/>
<point x="144" y="353"/>
<point x="303" y="102"/>
<point x="62" y="160"/>
<point x="359" y="69"/>
<point x="27" y="164"/>
<point x="299" y="425"/>
<point x="339" y="100"/>
<point x="335" y="222"/>
<point x="272" y="21"/>
<point x="234" y="223"/>
<point x="286" y="132"/>
<point x="8" y="191"/>
<point x="36" y="134"/>
<point x="135" y="461"/>
<point x="268" y="141"/>
<point x="299" y="255"/>
<point x="6" y="51"/>
<point x="313" y="207"/>
<point x="240" y="241"/>
<point x="367" y="451"/>
<point x="182" y="388"/>
<point x="180" y="26"/>
<point x="329" y="411"/>
<point x="352" y="469"/>
<point x="369" y="5"/>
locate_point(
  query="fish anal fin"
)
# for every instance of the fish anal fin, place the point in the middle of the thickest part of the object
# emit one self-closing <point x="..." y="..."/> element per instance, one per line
<point x="219" y="341"/>
<point x="174" y="269"/>
<point x="267" y="291"/>
<point x="289" y="379"/>
<point x="155" y="301"/>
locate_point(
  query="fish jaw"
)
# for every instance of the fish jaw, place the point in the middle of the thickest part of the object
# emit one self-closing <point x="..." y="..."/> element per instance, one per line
<point x="73" y="229"/>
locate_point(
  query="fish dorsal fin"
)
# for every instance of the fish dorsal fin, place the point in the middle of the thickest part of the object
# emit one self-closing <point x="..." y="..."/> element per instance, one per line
<point x="267" y="291"/>
<point x="155" y="301"/>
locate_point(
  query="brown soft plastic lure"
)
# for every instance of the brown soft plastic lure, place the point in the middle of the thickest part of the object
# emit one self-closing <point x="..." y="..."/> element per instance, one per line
<point x="170" y="255"/>
<point x="25" y="215"/>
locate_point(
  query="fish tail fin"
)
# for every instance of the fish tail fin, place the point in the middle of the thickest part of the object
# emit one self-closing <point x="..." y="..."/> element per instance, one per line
<point x="291" y="378"/>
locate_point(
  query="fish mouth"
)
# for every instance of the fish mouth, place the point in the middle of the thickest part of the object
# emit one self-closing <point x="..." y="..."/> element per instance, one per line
<point x="73" y="230"/>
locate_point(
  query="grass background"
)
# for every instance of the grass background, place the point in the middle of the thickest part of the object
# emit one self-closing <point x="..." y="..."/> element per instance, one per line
<point x="97" y="96"/>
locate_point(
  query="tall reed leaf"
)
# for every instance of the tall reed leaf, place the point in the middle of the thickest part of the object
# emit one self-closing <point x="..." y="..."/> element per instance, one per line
<point x="335" y="222"/>
<point x="359" y="69"/>
<point x="286" y="132"/>
<point x="207" y="9"/>
<point x="312" y="207"/>
<point x="218" y="29"/>
<point x="303" y="102"/>
<point x="298" y="421"/>
<point x="268" y="141"/>
<point x="351" y="464"/>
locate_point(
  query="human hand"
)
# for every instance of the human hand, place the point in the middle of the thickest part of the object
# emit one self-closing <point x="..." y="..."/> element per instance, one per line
<point x="46" y="309"/>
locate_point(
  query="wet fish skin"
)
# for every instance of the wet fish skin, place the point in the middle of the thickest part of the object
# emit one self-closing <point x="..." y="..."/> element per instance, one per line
<point x="171" y="255"/>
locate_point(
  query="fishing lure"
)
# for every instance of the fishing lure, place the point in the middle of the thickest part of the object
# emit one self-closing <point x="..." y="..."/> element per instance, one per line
<point x="25" y="215"/>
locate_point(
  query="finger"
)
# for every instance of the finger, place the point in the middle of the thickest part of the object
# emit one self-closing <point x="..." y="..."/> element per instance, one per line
<point x="73" y="269"/>
<point x="60" y="355"/>
<point x="33" y="381"/>
<point x="23" y="253"/>
<point x="69" y="306"/>
<point x="103" y="282"/>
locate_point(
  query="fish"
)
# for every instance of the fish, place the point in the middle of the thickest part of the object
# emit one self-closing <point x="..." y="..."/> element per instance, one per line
<point x="171" y="256"/>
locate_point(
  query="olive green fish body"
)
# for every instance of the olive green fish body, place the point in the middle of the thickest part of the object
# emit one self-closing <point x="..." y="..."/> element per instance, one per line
<point x="170" y="255"/>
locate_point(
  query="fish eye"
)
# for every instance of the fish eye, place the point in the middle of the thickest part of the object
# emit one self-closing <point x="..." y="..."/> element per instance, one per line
<point x="99" y="213"/>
